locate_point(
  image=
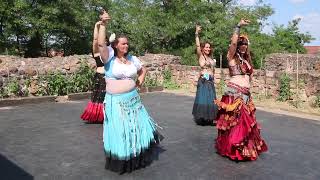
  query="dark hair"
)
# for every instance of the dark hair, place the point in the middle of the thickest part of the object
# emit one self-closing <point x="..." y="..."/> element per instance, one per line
<point x="243" y="41"/>
<point x="204" y="44"/>
<point x="101" y="10"/>
<point x="116" y="41"/>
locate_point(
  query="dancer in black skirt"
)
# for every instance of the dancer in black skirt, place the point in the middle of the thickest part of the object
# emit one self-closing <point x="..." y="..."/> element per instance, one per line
<point x="204" y="110"/>
<point x="93" y="113"/>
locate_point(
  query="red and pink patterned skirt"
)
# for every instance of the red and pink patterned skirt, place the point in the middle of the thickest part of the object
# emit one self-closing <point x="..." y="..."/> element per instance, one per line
<point x="238" y="131"/>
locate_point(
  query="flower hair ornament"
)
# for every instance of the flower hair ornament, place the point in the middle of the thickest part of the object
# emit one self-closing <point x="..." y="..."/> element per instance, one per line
<point x="244" y="36"/>
<point x="112" y="38"/>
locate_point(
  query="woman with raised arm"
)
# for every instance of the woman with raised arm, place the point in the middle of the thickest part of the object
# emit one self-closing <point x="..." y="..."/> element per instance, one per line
<point x="129" y="133"/>
<point x="93" y="112"/>
<point x="204" y="110"/>
<point x="238" y="131"/>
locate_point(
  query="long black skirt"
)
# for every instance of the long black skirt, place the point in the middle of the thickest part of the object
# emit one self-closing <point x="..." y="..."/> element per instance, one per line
<point x="204" y="110"/>
<point x="93" y="112"/>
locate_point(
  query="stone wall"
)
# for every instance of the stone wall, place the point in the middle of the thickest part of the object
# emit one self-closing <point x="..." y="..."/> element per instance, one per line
<point x="265" y="81"/>
<point x="17" y="66"/>
<point x="307" y="63"/>
<point x="308" y="71"/>
<point x="22" y="68"/>
<point x="188" y="76"/>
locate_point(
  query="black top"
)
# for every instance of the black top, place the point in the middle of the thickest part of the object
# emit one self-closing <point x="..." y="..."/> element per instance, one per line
<point x="99" y="62"/>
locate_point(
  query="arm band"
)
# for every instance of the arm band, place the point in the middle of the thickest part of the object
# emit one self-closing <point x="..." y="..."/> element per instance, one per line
<point x="237" y="30"/>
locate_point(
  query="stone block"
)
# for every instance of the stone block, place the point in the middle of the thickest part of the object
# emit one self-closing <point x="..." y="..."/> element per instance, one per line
<point x="13" y="70"/>
<point x="30" y="72"/>
<point x="66" y="67"/>
<point x="270" y="74"/>
<point x="270" y="81"/>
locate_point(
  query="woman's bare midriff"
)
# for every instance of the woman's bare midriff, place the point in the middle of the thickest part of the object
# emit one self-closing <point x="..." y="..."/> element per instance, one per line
<point x="241" y="80"/>
<point x="114" y="86"/>
<point x="207" y="71"/>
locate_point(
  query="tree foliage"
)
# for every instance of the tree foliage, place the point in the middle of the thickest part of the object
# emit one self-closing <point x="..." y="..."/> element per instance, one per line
<point x="30" y="28"/>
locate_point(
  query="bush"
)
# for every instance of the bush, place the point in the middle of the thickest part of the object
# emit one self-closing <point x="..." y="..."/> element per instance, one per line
<point x="81" y="81"/>
<point x="221" y="86"/>
<point x="57" y="84"/>
<point x="284" y="90"/>
<point x="151" y="82"/>
<point x="317" y="102"/>
<point x="53" y="84"/>
<point x="168" y="82"/>
<point x="3" y="92"/>
<point x="13" y="87"/>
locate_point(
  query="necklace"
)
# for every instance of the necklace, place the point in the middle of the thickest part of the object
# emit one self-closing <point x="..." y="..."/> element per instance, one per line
<point x="122" y="60"/>
<point x="244" y="61"/>
<point x="206" y="62"/>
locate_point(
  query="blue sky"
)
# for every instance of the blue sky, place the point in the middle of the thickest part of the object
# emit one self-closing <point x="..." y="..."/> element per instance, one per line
<point x="287" y="10"/>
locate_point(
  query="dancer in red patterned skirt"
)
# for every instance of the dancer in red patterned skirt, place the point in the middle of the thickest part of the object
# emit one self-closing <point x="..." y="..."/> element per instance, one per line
<point x="238" y="131"/>
<point x="93" y="113"/>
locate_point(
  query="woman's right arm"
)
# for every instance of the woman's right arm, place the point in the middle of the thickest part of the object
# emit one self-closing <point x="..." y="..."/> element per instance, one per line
<point x="95" y="48"/>
<point x="233" y="44"/>
<point x="198" y="30"/>
<point x="199" y="53"/>
<point x="103" y="49"/>
<point x="234" y="39"/>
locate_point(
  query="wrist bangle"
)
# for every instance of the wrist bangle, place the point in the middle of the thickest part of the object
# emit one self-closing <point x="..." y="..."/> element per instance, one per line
<point x="237" y="30"/>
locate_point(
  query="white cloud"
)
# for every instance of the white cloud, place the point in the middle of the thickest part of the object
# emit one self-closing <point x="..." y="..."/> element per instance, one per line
<point x="297" y="1"/>
<point x="247" y="2"/>
<point x="298" y="16"/>
<point x="310" y="23"/>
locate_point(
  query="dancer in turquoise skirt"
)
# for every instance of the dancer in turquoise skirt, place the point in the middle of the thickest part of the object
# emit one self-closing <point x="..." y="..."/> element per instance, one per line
<point x="129" y="133"/>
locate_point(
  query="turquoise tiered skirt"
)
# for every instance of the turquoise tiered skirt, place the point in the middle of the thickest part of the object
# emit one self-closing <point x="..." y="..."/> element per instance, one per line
<point x="129" y="133"/>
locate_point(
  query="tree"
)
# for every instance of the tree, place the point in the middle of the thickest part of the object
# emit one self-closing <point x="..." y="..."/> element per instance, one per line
<point x="289" y="39"/>
<point x="155" y="26"/>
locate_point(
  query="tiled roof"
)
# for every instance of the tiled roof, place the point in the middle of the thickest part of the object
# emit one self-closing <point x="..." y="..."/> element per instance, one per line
<point x="312" y="49"/>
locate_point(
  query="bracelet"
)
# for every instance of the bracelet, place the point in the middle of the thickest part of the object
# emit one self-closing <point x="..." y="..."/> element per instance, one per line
<point x="237" y="30"/>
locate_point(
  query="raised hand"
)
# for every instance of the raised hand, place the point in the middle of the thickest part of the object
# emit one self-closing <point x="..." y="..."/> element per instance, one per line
<point x="244" y="22"/>
<point x="98" y="23"/>
<point x="198" y="29"/>
<point x="105" y="17"/>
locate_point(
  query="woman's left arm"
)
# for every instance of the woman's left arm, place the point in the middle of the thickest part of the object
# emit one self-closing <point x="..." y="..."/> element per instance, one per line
<point x="141" y="76"/>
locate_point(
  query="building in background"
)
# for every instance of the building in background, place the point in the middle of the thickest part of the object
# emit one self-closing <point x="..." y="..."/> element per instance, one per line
<point x="313" y="49"/>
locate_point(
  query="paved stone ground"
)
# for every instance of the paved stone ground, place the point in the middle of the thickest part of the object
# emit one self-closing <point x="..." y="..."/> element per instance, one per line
<point x="49" y="141"/>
